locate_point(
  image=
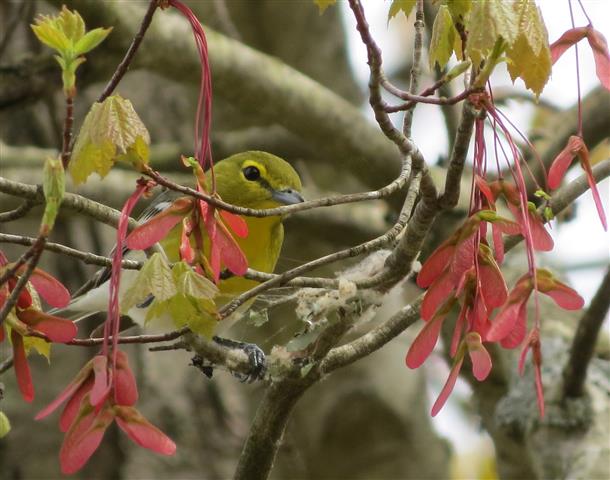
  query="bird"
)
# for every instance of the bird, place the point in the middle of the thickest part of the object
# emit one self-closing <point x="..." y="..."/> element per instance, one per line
<point x="251" y="179"/>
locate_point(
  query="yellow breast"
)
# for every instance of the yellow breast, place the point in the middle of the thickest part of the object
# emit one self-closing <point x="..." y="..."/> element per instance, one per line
<point x="261" y="247"/>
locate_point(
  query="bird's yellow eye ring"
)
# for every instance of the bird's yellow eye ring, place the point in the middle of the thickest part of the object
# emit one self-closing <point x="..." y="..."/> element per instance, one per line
<point x="251" y="173"/>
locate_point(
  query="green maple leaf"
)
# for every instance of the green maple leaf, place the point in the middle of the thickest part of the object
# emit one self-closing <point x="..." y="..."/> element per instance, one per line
<point x="533" y="69"/>
<point x="459" y="9"/>
<point x="112" y="131"/>
<point x="442" y="39"/>
<point x="154" y="278"/>
<point x="185" y="295"/>
<point x="529" y="58"/>
<point x="39" y="345"/>
<point x="197" y="286"/>
<point x="65" y="33"/>
<point x="197" y="314"/>
<point x="397" y="6"/>
<point x="489" y="21"/>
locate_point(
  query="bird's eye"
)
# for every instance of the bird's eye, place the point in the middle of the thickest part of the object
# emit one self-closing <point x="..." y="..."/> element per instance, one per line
<point x="251" y="173"/>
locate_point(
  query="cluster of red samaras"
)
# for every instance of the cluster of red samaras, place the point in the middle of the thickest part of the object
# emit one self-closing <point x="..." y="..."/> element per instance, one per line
<point x="26" y="320"/>
<point x="103" y="391"/>
<point x="464" y="272"/>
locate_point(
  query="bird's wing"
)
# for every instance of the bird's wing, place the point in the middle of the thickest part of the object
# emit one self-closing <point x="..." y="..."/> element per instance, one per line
<point x="162" y="201"/>
<point x="92" y="297"/>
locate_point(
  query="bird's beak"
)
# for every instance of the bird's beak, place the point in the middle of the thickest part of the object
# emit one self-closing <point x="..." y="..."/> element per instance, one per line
<point x="287" y="196"/>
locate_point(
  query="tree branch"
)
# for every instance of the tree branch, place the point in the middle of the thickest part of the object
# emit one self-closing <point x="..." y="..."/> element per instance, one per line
<point x="418" y="45"/>
<point x="121" y="69"/>
<point x="383" y="192"/>
<point x="585" y="339"/>
<point x="85" y="257"/>
<point x="19" y="212"/>
<point x="564" y="196"/>
<point x="368" y="343"/>
<point x="72" y="201"/>
<point x="265" y="434"/>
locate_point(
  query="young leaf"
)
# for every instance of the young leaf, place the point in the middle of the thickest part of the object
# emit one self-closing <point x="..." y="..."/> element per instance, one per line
<point x="48" y="33"/>
<point x="111" y="129"/>
<point x="397" y="6"/>
<point x="40" y="345"/>
<point x="65" y="33"/>
<point x="195" y="285"/>
<point x="154" y="278"/>
<point x="443" y="38"/>
<point x="529" y="58"/>
<point x="91" y="40"/>
<point x="71" y="23"/>
<point x="489" y="21"/>
<point x="459" y="9"/>
<point x="198" y="314"/>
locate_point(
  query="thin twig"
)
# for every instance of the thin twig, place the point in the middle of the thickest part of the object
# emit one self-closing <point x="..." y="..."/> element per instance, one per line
<point x="282" y="279"/>
<point x="67" y="131"/>
<point x="19" y="212"/>
<point x="23" y="279"/>
<point x="451" y="194"/>
<point x="162" y="337"/>
<point x="372" y="341"/>
<point x="6" y="365"/>
<point x="444" y="101"/>
<point x="585" y="339"/>
<point x="85" y="257"/>
<point x="92" y="259"/>
<point x="383" y="192"/>
<point x="564" y="196"/>
<point x="418" y="44"/>
<point x="131" y="51"/>
<point x="72" y="201"/>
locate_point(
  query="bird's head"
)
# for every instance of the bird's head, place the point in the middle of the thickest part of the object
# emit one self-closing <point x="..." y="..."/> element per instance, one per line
<point x="257" y="180"/>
